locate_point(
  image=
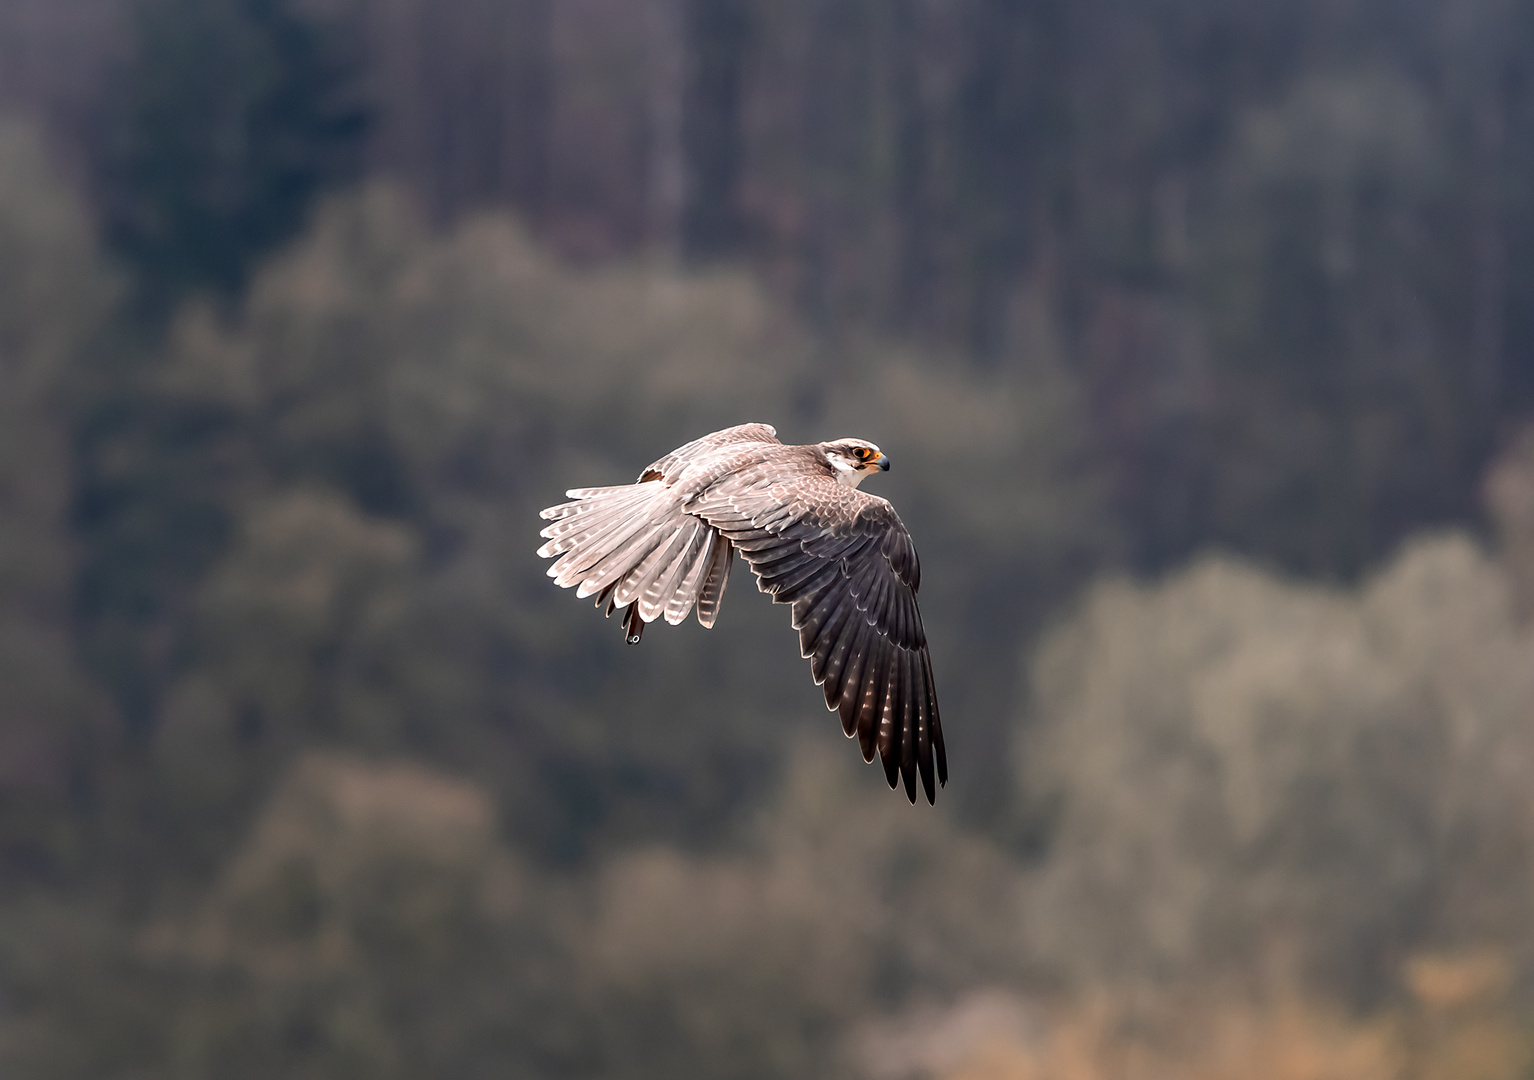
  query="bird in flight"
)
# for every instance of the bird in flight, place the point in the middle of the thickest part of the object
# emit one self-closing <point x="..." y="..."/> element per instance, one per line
<point x="840" y="557"/>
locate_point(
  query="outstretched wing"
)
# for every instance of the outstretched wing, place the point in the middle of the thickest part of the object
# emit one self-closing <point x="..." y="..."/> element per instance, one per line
<point x="846" y="564"/>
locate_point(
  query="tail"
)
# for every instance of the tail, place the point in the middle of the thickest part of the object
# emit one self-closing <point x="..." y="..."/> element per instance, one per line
<point x="634" y="545"/>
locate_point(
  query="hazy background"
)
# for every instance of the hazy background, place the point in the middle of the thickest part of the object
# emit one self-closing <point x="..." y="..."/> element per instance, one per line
<point x="1201" y="334"/>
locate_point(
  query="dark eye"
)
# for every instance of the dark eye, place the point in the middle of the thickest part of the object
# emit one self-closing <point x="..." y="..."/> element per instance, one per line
<point x="862" y="453"/>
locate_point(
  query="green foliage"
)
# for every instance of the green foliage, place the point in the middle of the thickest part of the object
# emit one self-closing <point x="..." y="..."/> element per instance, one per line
<point x="53" y="294"/>
<point x="373" y="923"/>
<point x="1329" y="326"/>
<point x="717" y="35"/>
<point x="1285" y="246"/>
<point x="1242" y="766"/>
<point x="230" y="118"/>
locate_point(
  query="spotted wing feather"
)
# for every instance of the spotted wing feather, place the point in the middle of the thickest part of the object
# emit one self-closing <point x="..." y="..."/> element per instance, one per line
<point x="845" y="563"/>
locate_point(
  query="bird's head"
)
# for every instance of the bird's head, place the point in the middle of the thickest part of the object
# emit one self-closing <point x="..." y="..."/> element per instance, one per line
<point x="853" y="459"/>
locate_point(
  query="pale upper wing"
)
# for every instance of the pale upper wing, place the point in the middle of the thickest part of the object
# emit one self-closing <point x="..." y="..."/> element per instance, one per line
<point x="698" y="448"/>
<point x="846" y="564"/>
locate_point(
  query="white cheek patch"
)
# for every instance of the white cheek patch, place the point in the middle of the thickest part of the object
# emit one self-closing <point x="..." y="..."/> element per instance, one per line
<point x="847" y="473"/>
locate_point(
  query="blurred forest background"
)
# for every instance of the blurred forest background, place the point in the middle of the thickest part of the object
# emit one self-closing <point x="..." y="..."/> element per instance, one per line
<point x="1201" y="333"/>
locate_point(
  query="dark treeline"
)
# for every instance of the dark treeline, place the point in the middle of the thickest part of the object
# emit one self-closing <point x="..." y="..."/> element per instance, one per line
<point x="1280" y="245"/>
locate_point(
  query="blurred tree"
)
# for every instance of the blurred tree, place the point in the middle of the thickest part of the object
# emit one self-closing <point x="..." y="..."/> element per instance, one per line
<point x="54" y="294"/>
<point x="231" y="116"/>
<point x="464" y="97"/>
<point x="155" y="480"/>
<point x="1248" y="770"/>
<point x="1011" y="125"/>
<point x="1305" y="353"/>
<point x="717" y="36"/>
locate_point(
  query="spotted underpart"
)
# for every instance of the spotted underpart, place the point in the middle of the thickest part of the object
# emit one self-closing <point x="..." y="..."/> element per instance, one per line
<point x="841" y="558"/>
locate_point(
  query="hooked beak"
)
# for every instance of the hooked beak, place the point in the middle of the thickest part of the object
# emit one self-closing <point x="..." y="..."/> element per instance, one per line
<point x="884" y="462"/>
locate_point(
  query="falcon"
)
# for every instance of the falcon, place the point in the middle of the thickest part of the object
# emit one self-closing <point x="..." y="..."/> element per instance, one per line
<point x="841" y="558"/>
